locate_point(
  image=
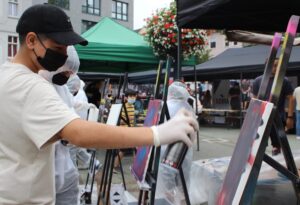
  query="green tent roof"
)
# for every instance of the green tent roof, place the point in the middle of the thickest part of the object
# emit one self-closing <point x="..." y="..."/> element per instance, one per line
<point x="115" y="48"/>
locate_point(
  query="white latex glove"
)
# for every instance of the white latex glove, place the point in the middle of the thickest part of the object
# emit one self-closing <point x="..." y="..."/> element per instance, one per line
<point x="182" y="127"/>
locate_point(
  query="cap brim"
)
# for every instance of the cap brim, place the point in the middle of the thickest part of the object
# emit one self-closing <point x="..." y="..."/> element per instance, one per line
<point x="67" y="38"/>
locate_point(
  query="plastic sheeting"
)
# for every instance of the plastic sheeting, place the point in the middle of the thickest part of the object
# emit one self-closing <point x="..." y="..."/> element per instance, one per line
<point x="207" y="177"/>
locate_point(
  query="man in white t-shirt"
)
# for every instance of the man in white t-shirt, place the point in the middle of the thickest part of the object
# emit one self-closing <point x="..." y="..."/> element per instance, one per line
<point x="32" y="115"/>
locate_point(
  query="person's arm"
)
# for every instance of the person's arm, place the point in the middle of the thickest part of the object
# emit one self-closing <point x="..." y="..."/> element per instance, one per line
<point x="181" y="127"/>
<point x="88" y="134"/>
<point x="290" y="116"/>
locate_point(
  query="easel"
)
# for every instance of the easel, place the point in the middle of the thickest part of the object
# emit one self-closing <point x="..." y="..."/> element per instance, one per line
<point x="152" y="172"/>
<point x="106" y="179"/>
<point x="241" y="177"/>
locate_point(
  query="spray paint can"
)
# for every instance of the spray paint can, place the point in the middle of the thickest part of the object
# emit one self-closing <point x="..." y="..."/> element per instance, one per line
<point x="175" y="154"/>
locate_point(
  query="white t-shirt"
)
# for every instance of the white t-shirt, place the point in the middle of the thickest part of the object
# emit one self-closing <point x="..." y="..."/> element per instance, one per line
<point x="297" y="97"/>
<point x="31" y="112"/>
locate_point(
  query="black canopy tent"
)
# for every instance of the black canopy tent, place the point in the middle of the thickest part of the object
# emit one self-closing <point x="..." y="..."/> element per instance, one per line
<point x="247" y="62"/>
<point x="233" y="63"/>
<point x="254" y="15"/>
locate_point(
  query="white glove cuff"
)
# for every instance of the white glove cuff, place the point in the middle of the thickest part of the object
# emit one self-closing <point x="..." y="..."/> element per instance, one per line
<point x="156" y="140"/>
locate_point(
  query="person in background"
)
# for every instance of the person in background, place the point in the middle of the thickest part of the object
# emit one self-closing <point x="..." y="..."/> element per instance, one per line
<point x="33" y="117"/>
<point x="234" y="95"/>
<point x="207" y="99"/>
<point x="138" y="108"/>
<point x="168" y="181"/>
<point x="81" y="107"/>
<point x="189" y="89"/>
<point x="245" y="89"/>
<point x="296" y="96"/>
<point x="286" y="93"/>
<point x="130" y="101"/>
<point x="66" y="175"/>
<point x="200" y="92"/>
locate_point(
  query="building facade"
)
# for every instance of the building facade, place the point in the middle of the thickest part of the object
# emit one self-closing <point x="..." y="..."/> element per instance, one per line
<point x="83" y="13"/>
<point x="217" y="43"/>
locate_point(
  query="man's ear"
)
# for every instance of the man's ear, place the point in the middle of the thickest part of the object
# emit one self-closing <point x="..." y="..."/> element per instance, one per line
<point x="30" y="40"/>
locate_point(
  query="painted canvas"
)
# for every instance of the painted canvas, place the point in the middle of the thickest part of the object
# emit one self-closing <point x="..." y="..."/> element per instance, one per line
<point x="141" y="160"/>
<point x="245" y="153"/>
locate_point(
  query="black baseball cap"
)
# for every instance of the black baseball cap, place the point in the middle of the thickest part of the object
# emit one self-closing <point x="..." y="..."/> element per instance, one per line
<point x="51" y="21"/>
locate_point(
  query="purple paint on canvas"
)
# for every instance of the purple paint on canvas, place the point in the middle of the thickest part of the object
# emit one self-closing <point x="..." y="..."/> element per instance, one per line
<point x="276" y="40"/>
<point x="140" y="163"/>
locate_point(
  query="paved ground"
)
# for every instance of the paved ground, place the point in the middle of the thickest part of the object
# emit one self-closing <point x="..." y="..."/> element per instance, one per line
<point x="215" y="142"/>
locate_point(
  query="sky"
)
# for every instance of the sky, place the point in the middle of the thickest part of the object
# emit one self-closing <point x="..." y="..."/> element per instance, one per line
<point x="144" y="8"/>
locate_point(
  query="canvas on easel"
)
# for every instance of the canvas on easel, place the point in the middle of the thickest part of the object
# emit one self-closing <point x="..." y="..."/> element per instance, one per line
<point x="141" y="160"/>
<point x="114" y="114"/>
<point x="241" y="177"/>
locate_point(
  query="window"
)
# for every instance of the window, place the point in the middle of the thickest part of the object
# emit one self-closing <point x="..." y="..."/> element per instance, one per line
<point x="86" y="25"/>
<point x="212" y="44"/>
<point x="13" y="8"/>
<point x="12" y="46"/>
<point x="65" y="4"/>
<point x="119" y="10"/>
<point x="91" y="7"/>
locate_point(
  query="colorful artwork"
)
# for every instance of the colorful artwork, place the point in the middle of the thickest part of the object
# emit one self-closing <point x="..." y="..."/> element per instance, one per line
<point x="244" y="155"/>
<point x="141" y="160"/>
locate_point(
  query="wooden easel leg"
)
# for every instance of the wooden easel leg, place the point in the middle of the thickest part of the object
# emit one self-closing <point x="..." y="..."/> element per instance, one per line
<point x="287" y="153"/>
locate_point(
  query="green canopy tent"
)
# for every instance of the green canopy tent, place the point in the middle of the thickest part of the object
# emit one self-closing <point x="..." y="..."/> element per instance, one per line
<point x="114" y="48"/>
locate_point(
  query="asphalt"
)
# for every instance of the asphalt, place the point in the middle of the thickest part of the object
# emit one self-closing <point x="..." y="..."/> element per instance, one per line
<point x="214" y="142"/>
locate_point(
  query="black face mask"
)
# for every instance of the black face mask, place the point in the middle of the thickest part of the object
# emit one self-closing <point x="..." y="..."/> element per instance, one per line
<point x="60" y="79"/>
<point x="52" y="59"/>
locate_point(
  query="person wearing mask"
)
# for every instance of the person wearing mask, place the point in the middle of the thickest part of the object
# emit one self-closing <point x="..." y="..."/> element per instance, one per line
<point x="81" y="107"/>
<point x="168" y="181"/>
<point x="66" y="175"/>
<point x="33" y="117"/>
<point x="286" y="93"/>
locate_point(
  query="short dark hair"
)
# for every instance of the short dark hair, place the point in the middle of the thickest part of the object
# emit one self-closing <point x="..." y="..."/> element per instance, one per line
<point x="130" y="92"/>
<point x="22" y="37"/>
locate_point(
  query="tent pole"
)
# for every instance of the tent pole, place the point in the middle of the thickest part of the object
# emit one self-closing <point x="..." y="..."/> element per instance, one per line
<point x="125" y="84"/>
<point x="241" y="100"/>
<point x="120" y="87"/>
<point x="179" y="49"/>
<point x="196" y="98"/>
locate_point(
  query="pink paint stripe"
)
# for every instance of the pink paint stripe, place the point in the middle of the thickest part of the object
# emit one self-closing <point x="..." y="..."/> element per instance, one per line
<point x="293" y="24"/>
<point x="276" y="40"/>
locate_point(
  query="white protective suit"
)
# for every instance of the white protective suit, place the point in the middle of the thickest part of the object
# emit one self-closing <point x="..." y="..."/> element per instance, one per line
<point x="66" y="174"/>
<point x="81" y="107"/>
<point x="168" y="181"/>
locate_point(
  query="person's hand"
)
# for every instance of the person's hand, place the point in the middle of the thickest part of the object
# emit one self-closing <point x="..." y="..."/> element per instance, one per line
<point x="182" y="127"/>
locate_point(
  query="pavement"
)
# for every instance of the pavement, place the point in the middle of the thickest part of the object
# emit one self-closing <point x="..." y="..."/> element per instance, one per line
<point x="215" y="142"/>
